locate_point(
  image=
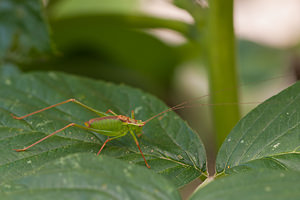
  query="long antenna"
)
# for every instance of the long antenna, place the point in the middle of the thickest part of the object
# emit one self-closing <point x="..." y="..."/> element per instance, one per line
<point x="180" y="106"/>
<point x="183" y="104"/>
<point x="175" y="107"/>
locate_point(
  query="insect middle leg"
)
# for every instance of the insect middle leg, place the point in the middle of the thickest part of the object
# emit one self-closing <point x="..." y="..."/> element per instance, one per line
<point x="112" y="112"/>
<point x="121" y="135"/>
<point x="108" y="140"/>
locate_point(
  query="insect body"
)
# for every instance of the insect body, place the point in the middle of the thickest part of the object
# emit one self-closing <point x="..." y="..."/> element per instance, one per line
<point x="109" y="124"/>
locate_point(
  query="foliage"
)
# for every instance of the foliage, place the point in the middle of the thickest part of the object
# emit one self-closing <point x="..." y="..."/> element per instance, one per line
<point x="259" y="184"/>
<point x="85" y="176"/>
<point x="258" y="159"/>
<point x="262" y="140"/>
<point x="19" y="37"/>
<point x="112" y="40"/>
<point x="170" y="146"/>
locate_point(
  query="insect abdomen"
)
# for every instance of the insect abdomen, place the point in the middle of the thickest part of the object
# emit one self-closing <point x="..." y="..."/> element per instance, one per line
<point x="107" y="124"/>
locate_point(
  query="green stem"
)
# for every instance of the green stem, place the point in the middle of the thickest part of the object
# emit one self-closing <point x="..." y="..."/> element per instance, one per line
<point x="222" y="67"/>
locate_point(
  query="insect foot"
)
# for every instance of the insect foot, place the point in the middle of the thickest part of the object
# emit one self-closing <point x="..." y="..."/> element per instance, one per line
<point x="15" y="117"/>
<point x="19" y="150"/>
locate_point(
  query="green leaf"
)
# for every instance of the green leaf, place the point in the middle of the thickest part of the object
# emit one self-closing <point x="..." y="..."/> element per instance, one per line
<point x="118" y="38"/>
<point x="263" y="185"/>
<point x="116" y="45"/>
<point x="258" y="62"/>
<point x="112" y="47"/>
<point x="170" y="146"/>
<point x="65" y="8"/>
<point x="86" y="176"/>
<point x="23" y="29"/>
<point x="268" y="137"/>
<point x="194" y="8"/>
<point x="7" y="70"/>
<point x="119" y="13"/>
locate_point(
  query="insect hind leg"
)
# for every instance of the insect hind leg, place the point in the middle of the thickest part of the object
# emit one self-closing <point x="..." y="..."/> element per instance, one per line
<point x="43" y="109"/>
<point x="61" y="103"/>
<point x="44" y="138"/>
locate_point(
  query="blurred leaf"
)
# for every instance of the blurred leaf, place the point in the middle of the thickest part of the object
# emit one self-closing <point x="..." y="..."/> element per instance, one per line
<point x="129" y="48"/>
<point x="170" y="146"/>
<point x="121" y="55"/>
<point x="66" y="8"/>
<point x="268" y="137"/>
<point x="8" y="69"/>
<point x="111" y="39"/>
<point x="263" y="185"/>
<point x="86" y="176"/>
<point x="258" y="62"/>
<point x="195" y="8"/>
<point x="111" y="53"/>
<point x="23" y="30"/>
<point x="117" y="13"/>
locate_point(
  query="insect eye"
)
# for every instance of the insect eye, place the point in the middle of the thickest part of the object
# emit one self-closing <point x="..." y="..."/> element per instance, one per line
<point x="86" y="124"/>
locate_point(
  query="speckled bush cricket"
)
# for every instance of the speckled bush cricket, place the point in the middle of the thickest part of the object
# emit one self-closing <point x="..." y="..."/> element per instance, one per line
<point x="109" y="124"/>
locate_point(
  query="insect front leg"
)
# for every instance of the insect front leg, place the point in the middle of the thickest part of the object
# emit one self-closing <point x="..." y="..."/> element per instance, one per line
<point x="132" y="114"/>
<point x="137" y="143"/>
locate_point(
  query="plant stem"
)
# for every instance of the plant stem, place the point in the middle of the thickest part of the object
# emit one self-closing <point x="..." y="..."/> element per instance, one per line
<point x="222" y="67"/>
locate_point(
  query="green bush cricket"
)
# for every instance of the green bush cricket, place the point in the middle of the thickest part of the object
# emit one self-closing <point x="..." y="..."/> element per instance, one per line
<point x="109" y="124"/>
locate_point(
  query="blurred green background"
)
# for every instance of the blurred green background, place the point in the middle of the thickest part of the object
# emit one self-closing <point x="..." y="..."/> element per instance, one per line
<point x="166" y="48"/>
